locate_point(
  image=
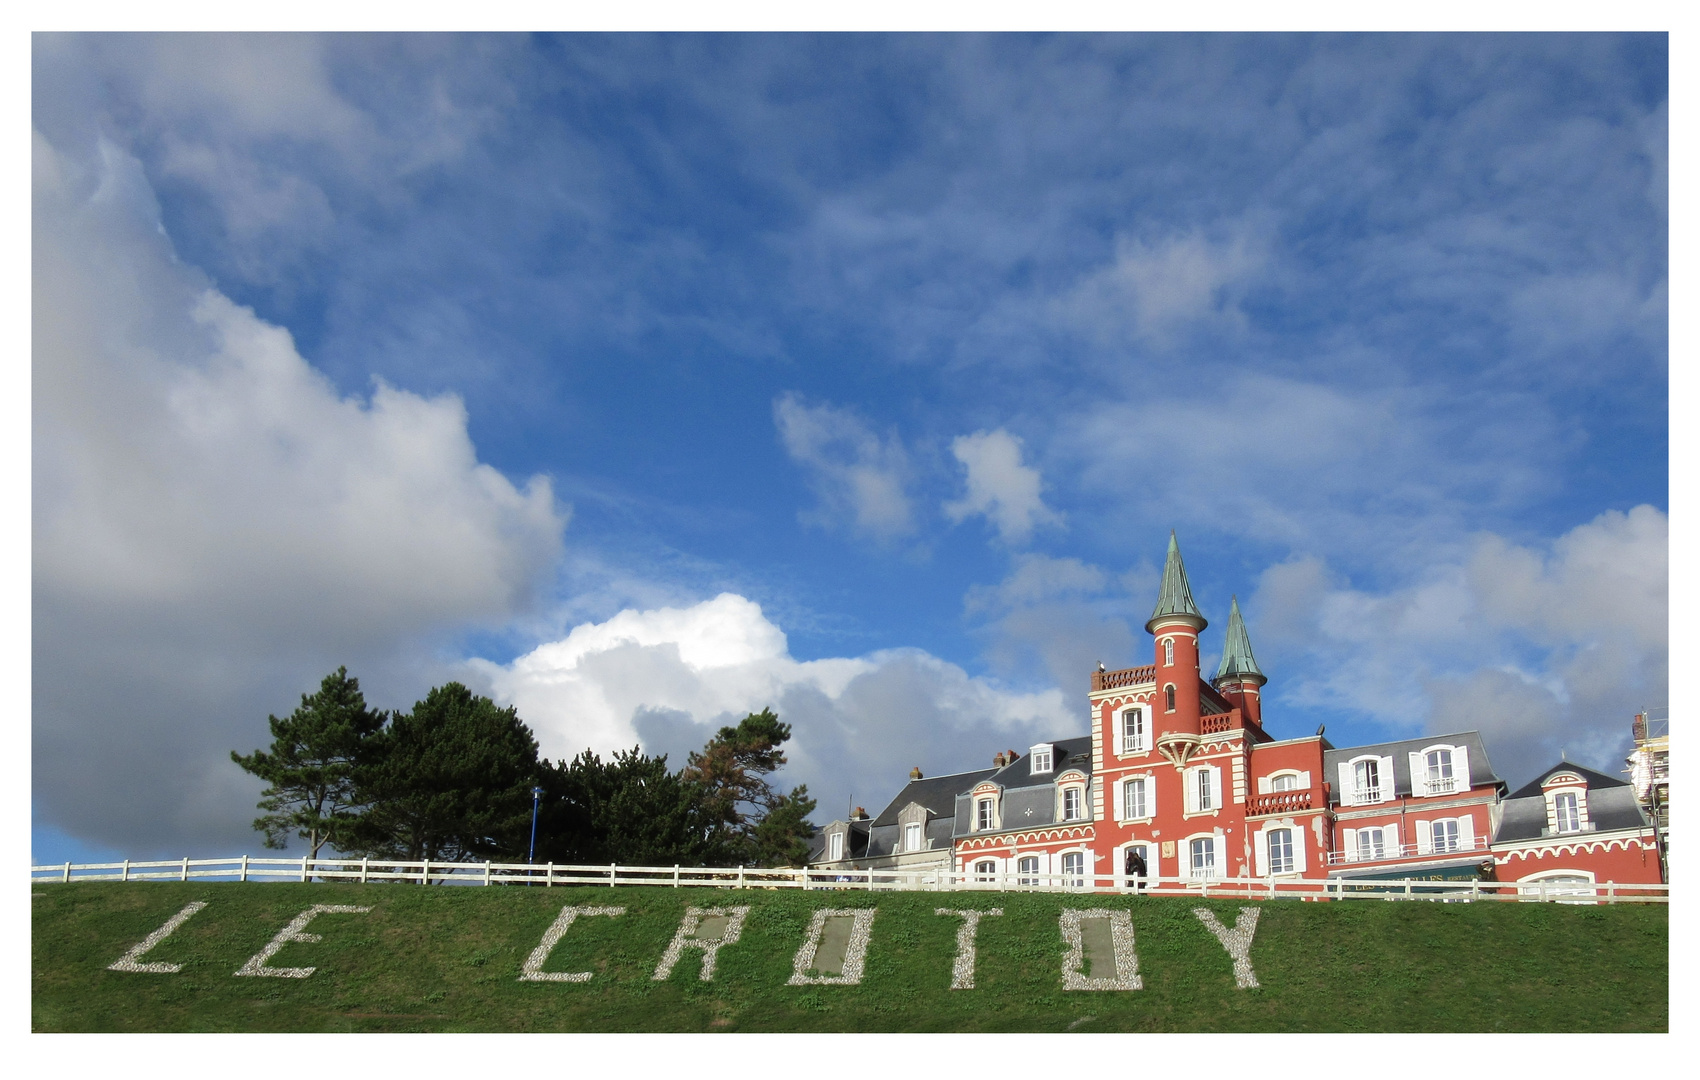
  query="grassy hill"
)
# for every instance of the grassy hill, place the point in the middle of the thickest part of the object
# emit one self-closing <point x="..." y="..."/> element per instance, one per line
<point x="449" y="959"/>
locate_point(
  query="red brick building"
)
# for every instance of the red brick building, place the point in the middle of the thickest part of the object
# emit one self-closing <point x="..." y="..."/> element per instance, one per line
<point x="1179" y="774"/>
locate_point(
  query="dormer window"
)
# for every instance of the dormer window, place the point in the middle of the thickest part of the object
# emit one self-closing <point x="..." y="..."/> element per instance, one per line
<point x="912" y="838"/>
<point x="1367" y="775"/>
<point x="1040" y="756"/>
<point x="835" y="847"/>
<point x="1566" y="812"/>
<point x="983" y="815"/>
<point x="1440" y="778"/>
<point x="1072" y="804"/>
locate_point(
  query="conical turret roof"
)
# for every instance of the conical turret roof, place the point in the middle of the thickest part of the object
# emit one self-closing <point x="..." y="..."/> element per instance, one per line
<point x="1236" y="650"/>
<point x="1175" y="597"/>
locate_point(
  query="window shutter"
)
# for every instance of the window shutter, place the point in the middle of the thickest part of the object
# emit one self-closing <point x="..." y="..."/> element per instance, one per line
<point x="1299" y="843"/>
<point x="1349" y="841"/>
<point x="1348" y="797"/>
<point x="1425" y="837"/>
<point x="1121" y="800"/>
<point x="1304" y="781"/>
<point x="1390" y="837"/>
<point x="1389" y="786"/>
<point x="1189" y="794"/>
<point x="1419" y="774"/>
<point x="1263" y="785"/>
<point x="1461" y="766"/>
<point x="1466" y="833"/>
<point x="1218" y="795"/>
<point x="1260" y="851"/>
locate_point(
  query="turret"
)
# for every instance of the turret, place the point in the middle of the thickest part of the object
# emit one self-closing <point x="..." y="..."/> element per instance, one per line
<point x="1239" y="679"/>
<point x="1175" y="624"/>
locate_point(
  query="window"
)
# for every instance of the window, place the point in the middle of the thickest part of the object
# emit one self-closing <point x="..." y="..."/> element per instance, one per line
<point x="983" y="815"/>
<point x="984" y="869"/>
<point x="912" y="836"/>
<point x="1284" y="782"/>
<point x="1074" y="869"/>
<point x="1169" y="651"/>
<point x="835" y="847"/>
<point x="1169" y="698"/>
<point x="1443" y="836"/>
<point x="1028" y="868"/>
<point x="1280" y="851"/>
<point x="1040" y="756"/>
<point x="1206" y="796"/>
<point x="1133" y="731"/>
<point x="1133" y="798"/>
<point x="1204" y="857"/>
<point x="1071" y="804"/>
<point x="1371" y="845"/>
<point x="1440" y="779"/>
<point x="1565" y="811"/>
<point x="1368" y="777"/>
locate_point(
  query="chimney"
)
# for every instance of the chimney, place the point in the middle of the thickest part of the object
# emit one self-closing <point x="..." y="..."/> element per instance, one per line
<point x="859" y="814"/>
<point x="1010" y="756"/>
<point x="915" y="773"/>
<point x="998" y="760"/>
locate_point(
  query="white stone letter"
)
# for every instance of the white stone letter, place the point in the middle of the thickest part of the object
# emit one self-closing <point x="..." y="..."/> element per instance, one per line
<point x="962" y="972"/>
<point x="130" y="961"/>
<point x="855" y="949"/>
<point x="686" y="939"/>
<point x="256" y="964"/>
<point x="1121" y="939"/>
<point x="533" y="971"/>
<point x="1237" y="941"/>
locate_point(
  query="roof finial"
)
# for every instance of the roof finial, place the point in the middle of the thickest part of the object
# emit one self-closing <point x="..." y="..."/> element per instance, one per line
<point x="1175" y="596"/>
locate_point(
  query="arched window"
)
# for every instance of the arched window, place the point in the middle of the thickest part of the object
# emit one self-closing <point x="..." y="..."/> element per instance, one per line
<point x="1280" y="851"/>
<point x="1284" y="782"/>
<point x="1440" y="779"/>
<point x="1204" y="857"/>
<point x="1074" y="869"/>
<point x="984" y="869"/>
<point x="1169" y="698"/>
<point x="1168" y="650"/>
<point x="1028" y="868"/>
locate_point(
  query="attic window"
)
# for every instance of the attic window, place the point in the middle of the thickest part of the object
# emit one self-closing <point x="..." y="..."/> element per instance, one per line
<point x="1040" y="756"/>
<point x="835" y="847"/>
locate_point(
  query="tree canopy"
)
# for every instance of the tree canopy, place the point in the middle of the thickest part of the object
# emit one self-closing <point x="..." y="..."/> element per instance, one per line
<point x="754" y="823"/>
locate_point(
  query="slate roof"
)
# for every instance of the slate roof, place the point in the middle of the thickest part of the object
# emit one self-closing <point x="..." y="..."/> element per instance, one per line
<point x="1481" y="770"/>
<point x="1236" y="647"/>
<point x="936" y="793"/>
<point x="1611" y="806"/>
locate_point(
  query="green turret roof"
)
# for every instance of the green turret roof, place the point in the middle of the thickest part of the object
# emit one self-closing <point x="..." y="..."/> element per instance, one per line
<point x="1236" y="650"/>
<point x="1175" y="597"/>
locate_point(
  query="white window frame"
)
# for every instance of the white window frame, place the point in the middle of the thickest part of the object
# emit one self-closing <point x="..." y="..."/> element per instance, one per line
<point x="1352" y="793"/>
<point x="1027" y="867"/>
<point x="1192" y="860"/>
<point x="1443" y="836"/>
<point x="1284" y="863"/>
<point x="985" y="871"/>
<point x="914" y="836"/>
<point x="1283" y="782"/>
<point x="835" y="847"/>
<point x="1168" y="697"/>
<point x="1372" y="844"/>
<point x="1077" y="793"/>
<point x="985" y="813"/>
<point x="1563" y="802"/>
<point x="1039" y="759"/>
<point x="1135" y="734"/>
<point x="1073" y="866"/>
<point x="1168" y="652"/>
<point x="1128" y="805"/>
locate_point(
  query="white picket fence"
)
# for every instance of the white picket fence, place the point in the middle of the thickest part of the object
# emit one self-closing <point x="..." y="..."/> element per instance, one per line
<point x="247" y="868"/>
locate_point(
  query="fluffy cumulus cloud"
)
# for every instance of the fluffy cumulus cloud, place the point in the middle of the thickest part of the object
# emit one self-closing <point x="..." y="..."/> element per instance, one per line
<point x="668" y="678"/>
<point x="1000" y="486"/>
<point x="1542" y="648"/>
<point x="214" y="521"/>
<point x="859" y="478"/>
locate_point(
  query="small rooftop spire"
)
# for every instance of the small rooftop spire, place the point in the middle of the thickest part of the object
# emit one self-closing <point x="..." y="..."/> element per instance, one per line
<point x="1175" y="597"/>
<point x="1236" y="649"/>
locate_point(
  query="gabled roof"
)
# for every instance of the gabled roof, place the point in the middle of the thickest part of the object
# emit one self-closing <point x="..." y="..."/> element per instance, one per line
<point x="936" y="793"/>
<point x="1236" y="649"/>
<point x="1175" y="596"/>
<point x="1596" y="780"/>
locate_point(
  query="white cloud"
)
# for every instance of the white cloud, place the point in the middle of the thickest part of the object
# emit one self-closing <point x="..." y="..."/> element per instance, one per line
<point x="669" y="677"/>
<point x="1000" y="486"/>
<point x="1156" y="290"/>
<point x="1055" y="618"/>
<point x="859" y="478"/>
<point x="212" y="518"/>
<point x="1542" y="648"/>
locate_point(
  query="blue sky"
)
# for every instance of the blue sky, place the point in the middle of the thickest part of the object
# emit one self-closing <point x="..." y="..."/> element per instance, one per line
<point x="642" y="381"/>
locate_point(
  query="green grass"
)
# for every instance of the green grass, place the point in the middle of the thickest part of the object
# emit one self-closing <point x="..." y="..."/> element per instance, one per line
<point x="448" y="959"/>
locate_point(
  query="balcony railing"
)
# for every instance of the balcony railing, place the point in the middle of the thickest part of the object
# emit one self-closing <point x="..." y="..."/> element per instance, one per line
<point x="1388" y="853"/>
<point x="1115" y="680"/>
<point x="1216" y="723"/>
<point x="1440" y="785"/>
<point x="1279" y="802"/>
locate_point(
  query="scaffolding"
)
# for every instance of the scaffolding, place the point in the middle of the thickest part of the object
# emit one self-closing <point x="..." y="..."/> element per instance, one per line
<point x="1648" y="766"/>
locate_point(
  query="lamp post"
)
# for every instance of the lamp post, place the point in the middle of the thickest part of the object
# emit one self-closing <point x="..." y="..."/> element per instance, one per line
<point x="536" y="794"/>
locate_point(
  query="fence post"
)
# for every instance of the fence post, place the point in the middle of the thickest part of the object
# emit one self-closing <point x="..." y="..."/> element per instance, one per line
<point x="363" y="859"/>
<point x="1407" y="888"/>
<point x="303" y="868"/>
<point x="740" y="875"/>
<point x="675" y="875"/>
<point x="1611" y="892"/>
<point x="1474" y="891"/>
<point x="126" y="874"/>
<point x="185" y="868"/>
<point x="425" y="872"/>
<point x="611" y="874"/>
<point x="244" y="868"/>
<point x="67" y="870"/>
<point x="549" y="876"/>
